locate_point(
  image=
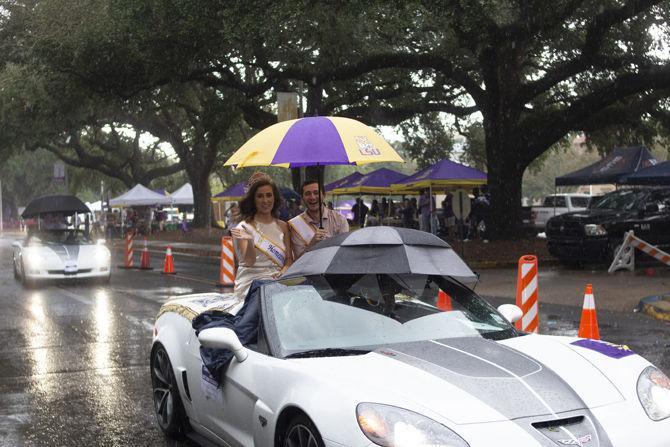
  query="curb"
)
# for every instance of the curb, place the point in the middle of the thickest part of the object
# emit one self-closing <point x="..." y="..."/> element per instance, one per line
<point x="484" y="265"/>
<point x="657" y="306"/>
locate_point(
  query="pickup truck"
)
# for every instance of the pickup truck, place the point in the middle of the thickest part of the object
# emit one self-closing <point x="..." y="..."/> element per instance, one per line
<point x="555" y="205"/>
<point x="595" y="234"/>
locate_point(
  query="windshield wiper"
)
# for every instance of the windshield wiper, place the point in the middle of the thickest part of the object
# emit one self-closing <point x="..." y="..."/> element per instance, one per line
<point x="327" y="352"/>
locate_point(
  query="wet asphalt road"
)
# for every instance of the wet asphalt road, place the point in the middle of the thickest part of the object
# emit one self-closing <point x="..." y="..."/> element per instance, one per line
<point x="74" y="366"/>
<point x="74" y="358"/>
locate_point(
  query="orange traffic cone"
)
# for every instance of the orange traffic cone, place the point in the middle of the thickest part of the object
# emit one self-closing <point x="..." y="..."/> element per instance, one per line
<point x="588" y="326"/>
<point x="145" y="264"/>
<point x="443" y="301"/>
<point x="168" y="267"/>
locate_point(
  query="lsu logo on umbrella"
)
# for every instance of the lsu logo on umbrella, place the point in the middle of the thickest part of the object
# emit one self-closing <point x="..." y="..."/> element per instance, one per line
<point x="365" y="147"/>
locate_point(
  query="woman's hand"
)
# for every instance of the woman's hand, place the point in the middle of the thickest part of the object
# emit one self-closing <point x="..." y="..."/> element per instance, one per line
<point x="279" y="273"/>
<point x="241" y="234"/>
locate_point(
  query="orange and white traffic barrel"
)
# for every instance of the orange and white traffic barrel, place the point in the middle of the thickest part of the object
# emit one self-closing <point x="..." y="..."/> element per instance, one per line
<point x="526" y="294"/>
<point x="227" y="267"/>
<point x="128" y="252"/>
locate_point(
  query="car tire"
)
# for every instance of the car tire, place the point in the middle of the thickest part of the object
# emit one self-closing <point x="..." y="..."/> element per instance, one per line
<point x="301" y="432"/>
<point x="25" y="281"/>
<point x="168" y="407"/>
<point x="16" y="271"/>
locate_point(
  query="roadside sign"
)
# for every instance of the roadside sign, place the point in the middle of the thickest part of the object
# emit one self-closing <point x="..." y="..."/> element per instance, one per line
<point x="460" y="203"/>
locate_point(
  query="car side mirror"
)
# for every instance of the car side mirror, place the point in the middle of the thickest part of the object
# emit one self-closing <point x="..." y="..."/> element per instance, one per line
<point x="511" y="312"/>
<point x="16" y="244"/>
<point x="223" y="338"/>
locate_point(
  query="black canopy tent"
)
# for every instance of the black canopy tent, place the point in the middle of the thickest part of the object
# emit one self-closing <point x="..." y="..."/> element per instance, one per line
<point x="613" y="168"/>
<point x="653" y="175"/>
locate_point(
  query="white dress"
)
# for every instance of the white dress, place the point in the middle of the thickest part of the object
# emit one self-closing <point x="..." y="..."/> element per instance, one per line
<point x="263" y="268"/>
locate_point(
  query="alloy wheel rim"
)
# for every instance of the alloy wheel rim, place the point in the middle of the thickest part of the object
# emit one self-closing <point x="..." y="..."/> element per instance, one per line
<point x="300" y="436"/>
<point x="162" y="379"/>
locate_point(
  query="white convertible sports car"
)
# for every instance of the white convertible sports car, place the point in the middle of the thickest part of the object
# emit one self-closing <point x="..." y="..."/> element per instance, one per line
<point x="56" y="247"/>
<point x="377" y="360"/>
<point x="60" y="254"/>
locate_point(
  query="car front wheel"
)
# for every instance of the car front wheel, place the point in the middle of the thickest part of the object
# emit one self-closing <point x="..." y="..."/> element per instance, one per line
<point x="167" y="402"/>
<point x="25" y="281"/>
<point x="301" y="432"/>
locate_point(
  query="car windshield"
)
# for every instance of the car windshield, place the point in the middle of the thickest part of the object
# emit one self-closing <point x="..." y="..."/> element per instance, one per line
<point x="327" y="312"/>
<point x="580" y="202"/>
<point x="618" y="200"/>
<point x="59" y="237"/>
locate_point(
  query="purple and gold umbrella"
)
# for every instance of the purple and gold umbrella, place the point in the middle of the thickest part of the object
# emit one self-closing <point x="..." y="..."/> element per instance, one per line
<point x="314" y="141"/>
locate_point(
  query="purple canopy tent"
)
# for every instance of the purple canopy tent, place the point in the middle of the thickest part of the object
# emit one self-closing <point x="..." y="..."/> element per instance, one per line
<point x="343" y="181"/>
<point x="442" y="174"/>
<point x="375" y="182"/>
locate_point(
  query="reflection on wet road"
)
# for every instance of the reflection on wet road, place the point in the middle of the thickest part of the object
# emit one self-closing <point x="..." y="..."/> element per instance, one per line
<point x="74" y="360"/>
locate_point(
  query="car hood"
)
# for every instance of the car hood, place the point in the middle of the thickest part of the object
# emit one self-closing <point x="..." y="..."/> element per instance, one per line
<point x="474" y="380"/>
<point x="66" y="252"/>
<point x="587" y="216"/>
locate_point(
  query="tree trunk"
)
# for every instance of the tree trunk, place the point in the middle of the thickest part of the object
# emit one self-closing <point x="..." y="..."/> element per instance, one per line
<point x="202" y="209"/>
<point x="505" y="174"/>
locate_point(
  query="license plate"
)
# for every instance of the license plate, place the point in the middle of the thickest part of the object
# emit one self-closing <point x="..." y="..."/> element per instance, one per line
<point x="71" y="268"/>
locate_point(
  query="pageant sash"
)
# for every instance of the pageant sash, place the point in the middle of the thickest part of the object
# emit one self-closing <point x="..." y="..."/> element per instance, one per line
<point x="303" y="229"/>
<point x="271" y="249"/>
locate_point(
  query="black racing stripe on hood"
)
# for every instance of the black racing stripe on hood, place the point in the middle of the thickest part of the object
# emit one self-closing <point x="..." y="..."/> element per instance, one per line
<point x="505" y="379"/>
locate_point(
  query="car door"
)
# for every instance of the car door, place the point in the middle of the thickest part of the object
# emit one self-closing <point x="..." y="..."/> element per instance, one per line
<point x="654" y="223"/>
<point x="228" y="410"/>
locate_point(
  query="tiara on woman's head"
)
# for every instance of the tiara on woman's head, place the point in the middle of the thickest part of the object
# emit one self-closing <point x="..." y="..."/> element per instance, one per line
<point x="258" y="177"/>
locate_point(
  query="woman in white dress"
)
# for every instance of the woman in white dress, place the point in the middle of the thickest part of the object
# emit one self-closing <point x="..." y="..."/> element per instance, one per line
<point x="262" y="242"/>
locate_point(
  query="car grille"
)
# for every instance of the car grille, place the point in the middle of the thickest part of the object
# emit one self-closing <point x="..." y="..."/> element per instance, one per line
<point x="564" y="229"/>
<point x="63" y="272"/>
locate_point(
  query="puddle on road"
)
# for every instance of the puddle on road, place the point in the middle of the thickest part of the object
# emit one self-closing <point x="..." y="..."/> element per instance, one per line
<point x="554" y="325"/>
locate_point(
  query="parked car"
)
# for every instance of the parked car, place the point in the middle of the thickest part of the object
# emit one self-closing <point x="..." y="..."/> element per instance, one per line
<point x="555" y="205"/>
<point x="596" y="233"/>
<point x="375" y="359"/>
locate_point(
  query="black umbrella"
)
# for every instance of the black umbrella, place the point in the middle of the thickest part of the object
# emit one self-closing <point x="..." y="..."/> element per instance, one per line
<point x="65" y="204"/>
<point x="388" y="250"/>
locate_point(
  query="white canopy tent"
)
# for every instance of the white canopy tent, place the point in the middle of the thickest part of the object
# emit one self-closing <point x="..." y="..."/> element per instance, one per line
<point x="183" y="195"/>
<point x="94" y="206"/>
<point x="139" y="196"/>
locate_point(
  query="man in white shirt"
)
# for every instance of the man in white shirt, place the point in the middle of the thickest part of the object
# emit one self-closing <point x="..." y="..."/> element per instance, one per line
<point x="305" y="231"/>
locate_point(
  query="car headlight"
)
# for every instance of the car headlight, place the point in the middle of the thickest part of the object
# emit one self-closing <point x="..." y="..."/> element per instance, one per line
<point x="33" y="259"/>
<point x="102" y="255"/>
<point x="653" y="390"/>
<point x="390" y="426"/>
<point x="594" y="230"/>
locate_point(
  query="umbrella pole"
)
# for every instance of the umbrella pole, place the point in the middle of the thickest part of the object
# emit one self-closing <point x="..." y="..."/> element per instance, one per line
<point x="318" y="184"/>
<point x="430" y="205"/>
